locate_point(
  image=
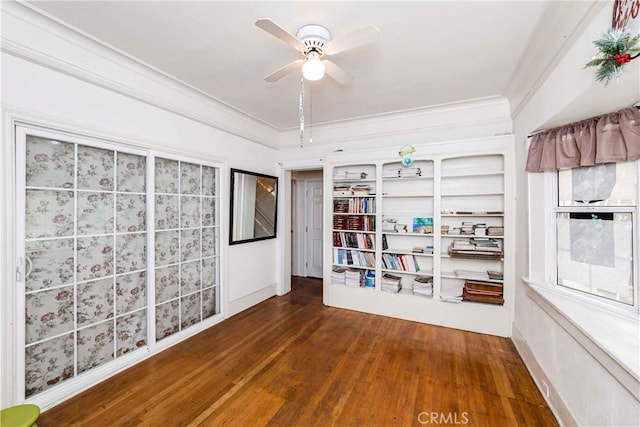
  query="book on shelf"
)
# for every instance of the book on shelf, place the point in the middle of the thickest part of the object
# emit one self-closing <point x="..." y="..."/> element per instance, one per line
<point x="347" y="239"/>
<point x="400" y="262"/>
<point x="354" y="222"/>
<point x="423" y="225"/>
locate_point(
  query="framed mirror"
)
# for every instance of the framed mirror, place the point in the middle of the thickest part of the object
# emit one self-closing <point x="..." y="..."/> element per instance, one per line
<point x="254" y="205"/>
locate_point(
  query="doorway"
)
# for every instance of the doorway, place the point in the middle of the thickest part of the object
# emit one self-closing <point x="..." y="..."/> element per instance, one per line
<point x="307" y="223"/>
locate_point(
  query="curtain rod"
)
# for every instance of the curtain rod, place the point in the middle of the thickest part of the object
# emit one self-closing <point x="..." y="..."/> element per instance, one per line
<point x="636" y="105"/>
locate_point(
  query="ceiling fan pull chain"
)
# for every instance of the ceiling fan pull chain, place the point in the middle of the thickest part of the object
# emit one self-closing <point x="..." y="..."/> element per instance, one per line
<point x="311" y="113"/>
<point x="301" y="109"/>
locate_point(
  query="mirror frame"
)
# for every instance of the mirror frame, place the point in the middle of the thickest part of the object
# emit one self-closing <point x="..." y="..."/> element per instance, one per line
<point x="231" y="212"/>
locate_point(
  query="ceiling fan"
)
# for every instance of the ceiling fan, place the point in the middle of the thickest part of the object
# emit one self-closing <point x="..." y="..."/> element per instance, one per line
<point x="314" y="44"/>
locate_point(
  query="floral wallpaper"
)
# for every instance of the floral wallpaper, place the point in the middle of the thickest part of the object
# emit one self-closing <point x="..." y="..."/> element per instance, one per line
<point x="131" y="173"/>
<point x="49" y="213"/>
<point x="95" y="168"/>
<point x="86" y="230"/>
<point x="189" y="178"/>
<point x="166" y="176"/>
<point x="166" y="212"/>
<point x="49" y="163"/>
<point x="167" y="319"/>
<point x="95" y="213"/>
<point x="190" y="310"/>
<point x="48" y="313"/>
<point x="131" y="211"/>
<point x="48" y="364"/>
<point x="95" y="301"/>
<point x="95" y="346"/>
<point x="94" y="257"/>
<point x="131" y="332"/>
<point x="131" y="292"/>
<point x="52" y="263"/>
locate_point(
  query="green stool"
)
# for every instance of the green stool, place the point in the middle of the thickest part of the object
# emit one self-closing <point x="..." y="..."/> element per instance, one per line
<point x="20" y="416"/>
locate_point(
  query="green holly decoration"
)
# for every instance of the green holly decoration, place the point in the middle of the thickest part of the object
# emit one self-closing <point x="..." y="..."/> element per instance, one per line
<point x="616" y="48"/>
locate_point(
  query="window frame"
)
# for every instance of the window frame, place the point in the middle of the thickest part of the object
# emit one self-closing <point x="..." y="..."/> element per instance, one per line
<point x="615" y="306"/>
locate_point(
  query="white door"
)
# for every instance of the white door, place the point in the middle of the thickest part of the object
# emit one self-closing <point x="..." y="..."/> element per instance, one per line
<point x="313" y="228"/>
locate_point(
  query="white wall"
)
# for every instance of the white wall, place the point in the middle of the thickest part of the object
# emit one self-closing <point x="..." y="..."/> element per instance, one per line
<point x="582" y="391"/>
<point x="92" y="91"/>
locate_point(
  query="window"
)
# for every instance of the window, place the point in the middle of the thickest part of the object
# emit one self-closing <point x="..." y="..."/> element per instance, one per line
<point x="596" y="231"/>
<point x="120" y="249"/>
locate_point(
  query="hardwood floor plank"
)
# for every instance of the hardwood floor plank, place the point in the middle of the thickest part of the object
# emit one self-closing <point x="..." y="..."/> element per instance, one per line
<point x="290" y="361"/>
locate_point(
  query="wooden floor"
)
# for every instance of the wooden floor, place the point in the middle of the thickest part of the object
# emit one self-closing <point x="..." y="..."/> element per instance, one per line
<point x="290" y="361"/>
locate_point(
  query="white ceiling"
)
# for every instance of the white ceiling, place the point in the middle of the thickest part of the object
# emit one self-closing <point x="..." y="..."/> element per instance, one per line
<point x="428" y="53"/>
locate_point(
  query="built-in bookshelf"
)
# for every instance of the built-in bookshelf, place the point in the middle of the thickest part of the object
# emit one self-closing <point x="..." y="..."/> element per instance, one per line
<point x="353" y="213"/>
<point x="430" y="242"/>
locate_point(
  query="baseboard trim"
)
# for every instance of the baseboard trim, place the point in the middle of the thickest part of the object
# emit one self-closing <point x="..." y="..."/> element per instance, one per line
<point x="248" y="301"/>
<point x="549" y="393"/>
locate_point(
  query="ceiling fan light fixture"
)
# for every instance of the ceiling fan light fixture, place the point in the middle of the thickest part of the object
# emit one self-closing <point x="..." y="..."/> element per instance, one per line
<point x="313" y="68"/>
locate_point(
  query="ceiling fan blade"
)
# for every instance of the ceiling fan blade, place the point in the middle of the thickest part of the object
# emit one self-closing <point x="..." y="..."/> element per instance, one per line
<point x="280" y="33"/>
<point x="277" y="75"/>
<point x="336" y="73"/>
<point x="368" y="34"/>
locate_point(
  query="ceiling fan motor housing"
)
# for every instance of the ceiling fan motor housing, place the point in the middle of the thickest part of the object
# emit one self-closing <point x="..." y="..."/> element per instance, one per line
<point x="314" y="37"/>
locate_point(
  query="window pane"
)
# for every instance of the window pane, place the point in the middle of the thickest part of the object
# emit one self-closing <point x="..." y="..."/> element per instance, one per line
<point x="595" y="253"/>
<point x="612" y="184"/>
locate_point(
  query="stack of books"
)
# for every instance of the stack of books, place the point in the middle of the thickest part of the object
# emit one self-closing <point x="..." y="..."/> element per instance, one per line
<point x="495" y="275"/>
<point x="451" y="292"/>
<point x="410" y="172"/>
<point x="423" y="286"/>
<point x="349" y="175"/>
<point x="391" y="283"/>
<point x="353" y="277"/>
<point x="480" y="229"/>
<point x="467" y="228"/>
<point x="402" y="172"/>
<point x="481" y="248"/>
<point x="341" y="189"/>
<point x="494" y="230"/>
<point x="485" y="292"/>
<point x="338" y="275"/>
<point x="361" y="189"/>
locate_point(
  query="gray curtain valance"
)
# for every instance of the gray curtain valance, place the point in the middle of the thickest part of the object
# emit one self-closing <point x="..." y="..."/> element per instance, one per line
<point x="613" y="137"/>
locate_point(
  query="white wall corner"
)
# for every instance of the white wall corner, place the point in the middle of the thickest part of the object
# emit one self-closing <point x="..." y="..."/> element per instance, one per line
<point x="545" y="386"/>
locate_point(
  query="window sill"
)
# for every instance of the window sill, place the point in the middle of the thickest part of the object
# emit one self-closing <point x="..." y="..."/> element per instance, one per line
<point x="611" y="338"/>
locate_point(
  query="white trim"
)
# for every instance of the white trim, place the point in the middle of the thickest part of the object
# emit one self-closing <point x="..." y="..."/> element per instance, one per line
<point x="13" y="373"/>
<point x="612" y="340"/>
<point x="236" y="306"/>
<point x="283" y="245"/>
<point x="545" y="386"/>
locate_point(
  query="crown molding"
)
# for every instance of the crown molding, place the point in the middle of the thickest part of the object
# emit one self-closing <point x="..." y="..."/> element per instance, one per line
<point x="557" y="31"/>
<point x="460" y="117"/>
<point x="32" y="35"/>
